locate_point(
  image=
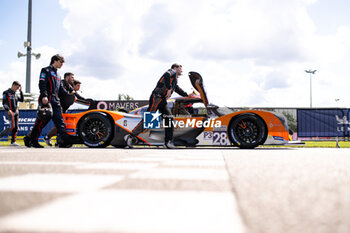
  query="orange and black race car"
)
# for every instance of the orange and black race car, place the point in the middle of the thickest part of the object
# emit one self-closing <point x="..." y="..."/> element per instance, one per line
<point x="196" y="123"/>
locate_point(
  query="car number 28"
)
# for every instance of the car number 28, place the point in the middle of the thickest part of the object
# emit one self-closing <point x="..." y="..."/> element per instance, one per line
<point x="220" y="138"/>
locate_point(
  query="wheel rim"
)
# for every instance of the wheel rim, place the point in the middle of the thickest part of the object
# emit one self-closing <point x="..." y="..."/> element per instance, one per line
<point x="247" y="131"/>
<point x="94" y="130"/>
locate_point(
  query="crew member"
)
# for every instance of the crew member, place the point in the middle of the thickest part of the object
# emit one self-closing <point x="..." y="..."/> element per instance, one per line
<point x="67" y="100"/>
<point x="76" y="87"/>
<point x="10" y="102"/>
<point x="70" y="85"/>
<point x="166" y="85"/>
<point x="50" y="87"/>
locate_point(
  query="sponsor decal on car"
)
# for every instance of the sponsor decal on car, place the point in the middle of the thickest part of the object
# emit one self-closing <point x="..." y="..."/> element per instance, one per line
<point x="70" y="130"/>
<point x="277" y="138"/>
<point x="153" y="120"/>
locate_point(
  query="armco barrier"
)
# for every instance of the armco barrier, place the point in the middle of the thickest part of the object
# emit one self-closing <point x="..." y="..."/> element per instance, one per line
<point x="323" y="122"/>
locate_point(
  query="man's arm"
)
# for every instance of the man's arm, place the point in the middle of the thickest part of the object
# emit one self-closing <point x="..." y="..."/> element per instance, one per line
<point x="62" y="91"/>
<point x="5" y="102"/>
<point x="43" y="83"/>
<point x="21" y="97"/>
<point x="179" y="91"/>
<point x="79" y="97"/>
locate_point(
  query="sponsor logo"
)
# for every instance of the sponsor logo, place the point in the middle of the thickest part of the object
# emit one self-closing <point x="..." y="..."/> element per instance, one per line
<point x="151" y="120"/>
<point x="342" y="121"/>
<point x="112" y="105"/>
<point x="208" y="135"/>
<point x="192" y="123"/>
<point x="20" y="120"/>
<point x="278" y="138"/>
<point x="6" y="121"/>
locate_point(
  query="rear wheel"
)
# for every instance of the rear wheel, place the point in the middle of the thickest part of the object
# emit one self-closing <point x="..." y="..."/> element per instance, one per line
<point x="96" y="130"/>
<point x="247" y="131"/>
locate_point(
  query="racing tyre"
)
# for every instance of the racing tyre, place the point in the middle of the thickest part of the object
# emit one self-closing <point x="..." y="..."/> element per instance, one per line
<point x="247" y="131"/>
<point x="96" y="130"/>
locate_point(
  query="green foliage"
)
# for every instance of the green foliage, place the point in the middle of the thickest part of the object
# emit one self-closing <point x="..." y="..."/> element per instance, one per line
<point x="292" y="122"/>
<point x="124" y="97"/>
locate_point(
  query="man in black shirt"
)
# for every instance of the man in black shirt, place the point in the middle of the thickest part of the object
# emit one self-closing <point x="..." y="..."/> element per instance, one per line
<point x="166" y="85"/>
<point x="50" y="88"/>
<point x="65" y="100"/>
<point x="10" y="102"/>
<point x="76" y="87"/>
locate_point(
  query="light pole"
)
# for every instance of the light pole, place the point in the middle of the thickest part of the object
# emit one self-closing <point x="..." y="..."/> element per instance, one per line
<point x="28" y="45"/>
<point x="311" y="72"/>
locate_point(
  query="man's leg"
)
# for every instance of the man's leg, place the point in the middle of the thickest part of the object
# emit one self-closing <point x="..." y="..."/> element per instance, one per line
<point x="154" y="102"/>
<point x="50" y="134"/>
<point x="152" y="107"/>
<point x="14" y="130"/>
<point x="57" y="119"/>
<point x="31" y="140"/>
<point x="168" y="118"/>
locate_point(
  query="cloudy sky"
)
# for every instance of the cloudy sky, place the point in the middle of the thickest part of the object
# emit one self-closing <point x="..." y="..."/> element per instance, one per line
<point x="250" y="52"/>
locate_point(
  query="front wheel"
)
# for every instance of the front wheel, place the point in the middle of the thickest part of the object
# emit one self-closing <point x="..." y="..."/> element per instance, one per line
<point x="247" y="131"/>
<point x="96" y="130"/>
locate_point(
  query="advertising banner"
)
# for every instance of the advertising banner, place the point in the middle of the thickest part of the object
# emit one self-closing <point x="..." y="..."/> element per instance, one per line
<point x="25" y="122"/>
<point x="323" y="122"/>
<point x="125" y="104"/>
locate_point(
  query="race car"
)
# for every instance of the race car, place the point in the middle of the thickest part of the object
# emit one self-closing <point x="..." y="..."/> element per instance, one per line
<point x="196" y="123"/>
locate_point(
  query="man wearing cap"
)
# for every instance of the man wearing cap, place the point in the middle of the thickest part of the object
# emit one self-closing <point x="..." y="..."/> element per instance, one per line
<point x="10" y="102"/>
<point x="166" y="85"/>
<point x="50" y="87"/>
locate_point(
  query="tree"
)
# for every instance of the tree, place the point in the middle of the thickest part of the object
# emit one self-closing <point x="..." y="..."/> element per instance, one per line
<point x="292" y="123"/>
<point x="124" y="97"/>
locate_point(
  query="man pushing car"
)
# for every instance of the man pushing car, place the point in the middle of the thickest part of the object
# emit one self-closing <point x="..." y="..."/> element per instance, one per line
<point x="166" y="85"/>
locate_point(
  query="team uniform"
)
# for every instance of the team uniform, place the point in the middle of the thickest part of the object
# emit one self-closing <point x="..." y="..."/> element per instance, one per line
<point x="157" y="101"/>
<point x="10" y="102"/>
<point x="51" y="87"/>
<point x="66" y="100"/>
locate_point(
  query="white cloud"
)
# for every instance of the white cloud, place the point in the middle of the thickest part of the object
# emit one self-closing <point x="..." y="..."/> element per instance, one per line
<point x="250" y="53"/>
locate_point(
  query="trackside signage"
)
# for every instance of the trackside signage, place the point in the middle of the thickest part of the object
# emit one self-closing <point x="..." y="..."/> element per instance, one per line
<point x="26" y="122"/>
<point x="323" y="122"/>
<point x="153" y="120"/>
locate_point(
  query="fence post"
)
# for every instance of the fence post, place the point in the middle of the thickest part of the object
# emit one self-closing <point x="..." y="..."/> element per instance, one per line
<point x="337" y="145"/>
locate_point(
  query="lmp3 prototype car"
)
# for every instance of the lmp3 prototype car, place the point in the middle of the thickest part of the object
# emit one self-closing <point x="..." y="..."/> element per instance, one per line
<point x="196" y="123"/>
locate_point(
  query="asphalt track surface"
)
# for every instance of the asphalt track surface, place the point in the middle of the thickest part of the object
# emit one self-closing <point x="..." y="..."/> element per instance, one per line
<point x="182" y="190"/>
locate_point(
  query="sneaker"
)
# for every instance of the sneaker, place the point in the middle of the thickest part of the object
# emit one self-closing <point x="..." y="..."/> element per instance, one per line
<point x="170" y="145"/>
<point x="15" y="144"/>
<point x="36" y="144"/>
<point x="27" y="141"/>
<point x="128" y="140"/>
<point x="47" y="140"/>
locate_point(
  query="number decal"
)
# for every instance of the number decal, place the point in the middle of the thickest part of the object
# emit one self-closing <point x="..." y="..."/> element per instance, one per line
<point x="220" y="138"/>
